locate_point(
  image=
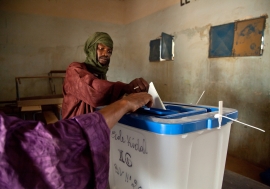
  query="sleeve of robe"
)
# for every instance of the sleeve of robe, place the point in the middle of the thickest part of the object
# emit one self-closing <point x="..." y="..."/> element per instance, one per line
<point x="85" y="86"/>
<point x="72" y="153"/>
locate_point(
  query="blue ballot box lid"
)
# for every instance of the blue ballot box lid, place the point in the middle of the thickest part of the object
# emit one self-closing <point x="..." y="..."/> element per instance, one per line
<point x="177" y="118"/>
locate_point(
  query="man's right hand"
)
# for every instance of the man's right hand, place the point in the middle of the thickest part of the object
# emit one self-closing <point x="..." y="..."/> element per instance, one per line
<point x="130" y="103"/>
<point x="137" y="100"/>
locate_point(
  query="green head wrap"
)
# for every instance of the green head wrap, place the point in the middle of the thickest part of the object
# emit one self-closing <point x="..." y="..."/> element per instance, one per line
<point x="90" y="50"/>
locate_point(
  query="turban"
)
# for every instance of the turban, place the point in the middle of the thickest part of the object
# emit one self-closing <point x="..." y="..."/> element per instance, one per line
<point x="90" y="50"/>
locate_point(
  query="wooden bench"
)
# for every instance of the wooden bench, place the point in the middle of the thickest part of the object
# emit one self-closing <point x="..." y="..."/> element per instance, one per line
<point x="50" y="117"/>
<point x="35" y="109"/>
<point x="30" y="108"/>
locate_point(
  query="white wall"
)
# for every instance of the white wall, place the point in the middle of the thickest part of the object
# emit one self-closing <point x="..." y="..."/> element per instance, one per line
<point x="242" y="83"/>
<point x="35" y="42"/>
<point x="34" y="45"/>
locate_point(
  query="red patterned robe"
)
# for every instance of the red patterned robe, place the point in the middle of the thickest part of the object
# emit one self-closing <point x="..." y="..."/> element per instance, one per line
<point x="83" y="91"/>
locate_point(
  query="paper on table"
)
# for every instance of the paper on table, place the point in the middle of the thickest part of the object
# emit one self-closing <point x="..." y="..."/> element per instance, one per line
<point x="157" y="101"/>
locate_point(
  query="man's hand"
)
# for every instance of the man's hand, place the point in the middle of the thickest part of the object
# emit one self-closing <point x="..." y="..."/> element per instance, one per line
<point x="136" y="86"/>
<point x="135" y="101"/>
<point x="130" y="103"/>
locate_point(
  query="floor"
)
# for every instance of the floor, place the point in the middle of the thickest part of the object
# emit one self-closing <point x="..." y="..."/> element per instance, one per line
<point x="244" y="168"/>
<point x="241" y="174"/>
<point x="232" y="180"/>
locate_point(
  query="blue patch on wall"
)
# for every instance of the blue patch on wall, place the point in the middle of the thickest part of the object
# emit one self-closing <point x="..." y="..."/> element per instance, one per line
<point x="221" y="40"/>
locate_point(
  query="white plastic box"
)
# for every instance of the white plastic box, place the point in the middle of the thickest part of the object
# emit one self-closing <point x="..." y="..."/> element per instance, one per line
<point x="177" y="148"/>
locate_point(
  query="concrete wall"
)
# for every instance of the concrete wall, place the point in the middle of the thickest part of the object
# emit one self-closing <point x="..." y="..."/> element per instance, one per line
<point x="92" y="10"/>
<point x="33" y="45"/>
<point x="242" y="83"/>
<point x="35" y="42"/>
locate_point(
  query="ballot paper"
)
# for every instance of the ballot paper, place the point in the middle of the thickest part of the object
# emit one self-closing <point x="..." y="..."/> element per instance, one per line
<point x="157" y="103"/>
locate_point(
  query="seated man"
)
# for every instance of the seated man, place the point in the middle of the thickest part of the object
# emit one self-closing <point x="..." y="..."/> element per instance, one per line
<point x="85" y="86"/>
<point x="71" y="153"/>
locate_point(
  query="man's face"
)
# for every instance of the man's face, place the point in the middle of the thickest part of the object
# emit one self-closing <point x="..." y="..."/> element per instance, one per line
<point x="103" y="54"/>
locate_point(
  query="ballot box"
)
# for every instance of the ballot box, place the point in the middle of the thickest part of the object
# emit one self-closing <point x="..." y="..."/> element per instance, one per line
<point x="182" y="147"/>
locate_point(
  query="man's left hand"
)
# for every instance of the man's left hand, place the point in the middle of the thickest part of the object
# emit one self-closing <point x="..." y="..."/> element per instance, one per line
<point x="137" y="85"/>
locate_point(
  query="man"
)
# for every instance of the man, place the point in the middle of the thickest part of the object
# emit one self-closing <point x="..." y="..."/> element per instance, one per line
<point x="85" y="86"/>
<point x="71" y="153"/>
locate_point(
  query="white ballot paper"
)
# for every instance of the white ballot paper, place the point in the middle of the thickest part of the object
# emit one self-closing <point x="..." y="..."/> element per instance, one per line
<point x="156" y="99"/>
